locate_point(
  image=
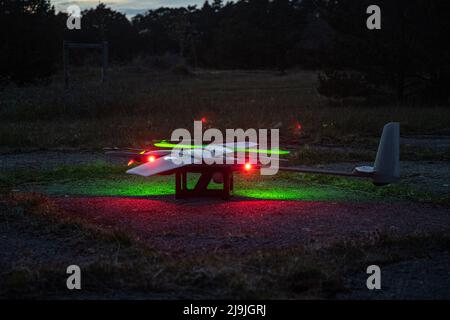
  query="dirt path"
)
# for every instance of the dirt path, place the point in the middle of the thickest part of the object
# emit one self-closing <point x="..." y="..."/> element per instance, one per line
<point x="44" y="160"/>
<point x="248" y="225"/>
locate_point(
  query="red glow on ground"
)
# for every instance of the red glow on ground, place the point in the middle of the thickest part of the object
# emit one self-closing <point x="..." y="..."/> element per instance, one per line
<point x="170" y="226"/>
<point x="203" y="226"/>
<point x="213" y="222"/>
<point x="130" y="162"/>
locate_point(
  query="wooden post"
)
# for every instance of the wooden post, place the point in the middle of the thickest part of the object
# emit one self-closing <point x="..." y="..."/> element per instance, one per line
<point x="226" y="184"/>
<point x="184" y="180"/>
<point x="104" y="60"/>
<point x="178" y="188"/>
<point x="65" y="64"/>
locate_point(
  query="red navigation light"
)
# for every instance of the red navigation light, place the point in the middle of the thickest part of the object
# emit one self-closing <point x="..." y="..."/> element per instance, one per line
<point x="298" y="126"/>
<point x="203" y="120"/>
<point x="247" y="166"/>
<point x="151" y="159"/>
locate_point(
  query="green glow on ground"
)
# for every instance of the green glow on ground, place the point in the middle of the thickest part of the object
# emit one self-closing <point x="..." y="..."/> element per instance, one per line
<point x="293" y="187"/>
<point x="270" y="189"/>
<point x="117" y="186"/>
<point x="302" y="193"/>
<point x="104" y="180"/>
<point x="120" y="186"/>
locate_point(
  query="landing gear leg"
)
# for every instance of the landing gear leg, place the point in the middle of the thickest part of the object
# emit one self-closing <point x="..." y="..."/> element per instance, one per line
<point x="201" y="187"/>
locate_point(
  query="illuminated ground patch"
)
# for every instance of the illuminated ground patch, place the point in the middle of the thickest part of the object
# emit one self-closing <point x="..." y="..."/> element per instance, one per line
<point x="257" y="188"/>
<point x="115" y="186"/>
<point x="291" y="193"/>
<point x="104" y="180"/>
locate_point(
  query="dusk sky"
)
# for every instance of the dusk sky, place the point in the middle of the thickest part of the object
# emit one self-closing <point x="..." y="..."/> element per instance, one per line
<point x="130" y="7"/>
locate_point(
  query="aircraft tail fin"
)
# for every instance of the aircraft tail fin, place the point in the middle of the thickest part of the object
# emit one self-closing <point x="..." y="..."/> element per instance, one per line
<point x="387" y="161"/>
<point x="386" y="168"/>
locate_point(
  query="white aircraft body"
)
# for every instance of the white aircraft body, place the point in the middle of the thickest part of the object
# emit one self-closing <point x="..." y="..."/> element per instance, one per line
<point x="386" y="168"/>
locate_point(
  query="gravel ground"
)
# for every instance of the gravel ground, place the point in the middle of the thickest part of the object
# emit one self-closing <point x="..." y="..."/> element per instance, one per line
<point x="413" y="279"/>
<point x="44" y="160"/>
<point x="240" y="225"/>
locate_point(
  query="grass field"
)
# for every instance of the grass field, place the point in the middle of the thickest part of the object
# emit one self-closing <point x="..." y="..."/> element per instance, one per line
<point x="139" y="105"/>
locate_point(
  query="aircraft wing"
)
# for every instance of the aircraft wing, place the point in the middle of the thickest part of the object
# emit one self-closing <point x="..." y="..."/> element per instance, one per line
<point x="227" y="148"/>
<point x="160" y="165"/>
<point x="125" y="154"/>
<point x="128" y="154"/>
<point x="240" y="144"/>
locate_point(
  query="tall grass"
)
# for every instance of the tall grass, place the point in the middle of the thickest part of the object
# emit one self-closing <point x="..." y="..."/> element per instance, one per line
<point x="136" y="106"/>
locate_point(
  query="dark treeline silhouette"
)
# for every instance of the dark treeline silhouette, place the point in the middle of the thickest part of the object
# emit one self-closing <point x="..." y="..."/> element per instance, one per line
<point x="409" y="56"/>
<point x="29" y="34"/>
<point x="246" y="34"/>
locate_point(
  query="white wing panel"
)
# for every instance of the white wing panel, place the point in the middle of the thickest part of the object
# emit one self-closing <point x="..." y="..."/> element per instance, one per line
<point x="160" y="165"/>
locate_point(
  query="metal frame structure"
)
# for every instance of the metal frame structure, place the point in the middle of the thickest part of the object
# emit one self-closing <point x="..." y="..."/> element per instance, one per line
<point x="67" y="45"/>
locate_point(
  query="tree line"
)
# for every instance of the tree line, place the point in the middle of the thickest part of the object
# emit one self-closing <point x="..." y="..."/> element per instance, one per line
<point x="408" y="57"/>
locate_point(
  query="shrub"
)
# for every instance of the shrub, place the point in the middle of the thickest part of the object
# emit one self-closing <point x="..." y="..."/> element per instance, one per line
<point x="343" y="84"/>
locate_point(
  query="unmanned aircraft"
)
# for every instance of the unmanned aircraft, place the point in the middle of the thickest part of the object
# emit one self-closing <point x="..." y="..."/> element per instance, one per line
<point x="162" y="160"/>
